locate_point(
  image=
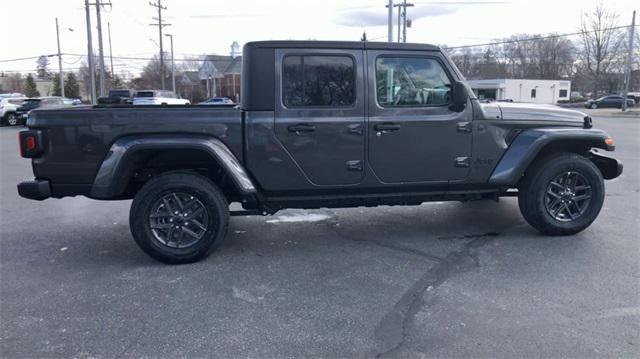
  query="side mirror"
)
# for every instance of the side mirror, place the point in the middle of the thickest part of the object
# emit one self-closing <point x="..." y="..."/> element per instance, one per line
<point x="460" y="96"/>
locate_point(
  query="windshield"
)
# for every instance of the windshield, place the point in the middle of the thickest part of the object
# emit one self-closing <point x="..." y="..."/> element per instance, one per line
<point x="144" y="94"/>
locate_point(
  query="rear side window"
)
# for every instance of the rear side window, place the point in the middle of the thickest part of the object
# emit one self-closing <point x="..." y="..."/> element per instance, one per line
<point x="411" y="81"/>
<point x="318" y="81"/>
<point x="144" y="94"/>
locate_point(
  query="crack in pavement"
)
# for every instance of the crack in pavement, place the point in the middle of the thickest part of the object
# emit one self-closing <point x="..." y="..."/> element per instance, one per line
<point x="391" y="330"/>
<point x="404" y="249"/>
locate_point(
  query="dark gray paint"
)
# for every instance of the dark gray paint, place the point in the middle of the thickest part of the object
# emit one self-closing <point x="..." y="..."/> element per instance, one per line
<point x="529" y="143"/>
<point x="118" y="162"/>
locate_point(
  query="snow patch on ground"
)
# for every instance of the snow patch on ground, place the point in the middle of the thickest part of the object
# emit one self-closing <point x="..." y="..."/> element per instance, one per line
<point x="299" y="216"/>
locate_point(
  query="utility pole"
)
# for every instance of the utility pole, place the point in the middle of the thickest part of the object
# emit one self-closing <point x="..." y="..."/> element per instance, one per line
<point x="173" y="68"/>
<point x="404" y="19"/>
<point x="160" y="25"/>
<point x="92" y="74"/>
<point x="627" y="72"/>
<point x="390" y="21"/>
<point x="399" y="21"/>
<point x="101" y="80"/>
<point x="61" y="75"/>
<point x="110" y="52"/>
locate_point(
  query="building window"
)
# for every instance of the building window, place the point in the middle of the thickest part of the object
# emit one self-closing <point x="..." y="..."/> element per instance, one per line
<point x="563" y="93"/>
<point x="533" y="93"/>
<point x="318" y="81"/>
<point x="411" y="81"/>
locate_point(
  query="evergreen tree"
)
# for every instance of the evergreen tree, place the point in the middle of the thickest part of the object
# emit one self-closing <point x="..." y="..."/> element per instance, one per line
<point x="30" y="88"/>
<point x="56" y="86"/>
<point x="71" y="86"/>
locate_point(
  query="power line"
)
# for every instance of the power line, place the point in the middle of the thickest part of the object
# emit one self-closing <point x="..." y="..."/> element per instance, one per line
<point x="536" y="38"/>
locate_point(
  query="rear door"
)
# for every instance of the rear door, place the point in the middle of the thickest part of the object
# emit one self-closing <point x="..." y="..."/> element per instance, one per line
<point x="319" y="117"/>
<point x="414" y="136"/>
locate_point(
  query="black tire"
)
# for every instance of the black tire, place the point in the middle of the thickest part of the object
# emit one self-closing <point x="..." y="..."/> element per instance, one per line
<point x="594" y="106"/>
<point x="164" y="243"/>
<point x="538" y="206"/>
<point x="10" y="119"/>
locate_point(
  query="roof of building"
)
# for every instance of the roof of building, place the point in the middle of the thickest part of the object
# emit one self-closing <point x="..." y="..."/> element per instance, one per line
<point x="220" y="65"/>
<point x="190" y="77"/>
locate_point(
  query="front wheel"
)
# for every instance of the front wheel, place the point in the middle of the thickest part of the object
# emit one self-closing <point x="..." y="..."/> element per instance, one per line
<point x="561" y="194"/>
<point x="11" y="119"/>
<point x="179" y="217"/>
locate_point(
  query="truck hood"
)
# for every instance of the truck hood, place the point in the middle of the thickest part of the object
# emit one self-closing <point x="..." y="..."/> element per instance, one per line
<point x="532" y="112"/>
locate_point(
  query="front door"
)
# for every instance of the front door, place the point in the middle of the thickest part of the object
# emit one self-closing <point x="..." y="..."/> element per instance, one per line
<point x="414" y="135"/>
<point x="319" y="117"/>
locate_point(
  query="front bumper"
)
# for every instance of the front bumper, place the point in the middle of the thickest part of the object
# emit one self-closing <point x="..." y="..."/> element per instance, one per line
<point x="36" y="189"/>
<point x="610" y="167"/>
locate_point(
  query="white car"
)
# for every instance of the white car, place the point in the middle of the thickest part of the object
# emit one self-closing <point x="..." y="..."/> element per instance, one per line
<point x="8" y="107"/>
<point x="158" y="97"/>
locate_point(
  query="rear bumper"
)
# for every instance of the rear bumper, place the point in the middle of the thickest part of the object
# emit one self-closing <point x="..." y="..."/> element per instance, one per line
<point x="36" y="189"/>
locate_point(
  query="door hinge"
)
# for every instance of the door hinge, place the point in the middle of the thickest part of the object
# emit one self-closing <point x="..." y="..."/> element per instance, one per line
<point x="462" y="162"/>
<point x="354" y="165"/>
<point x="463" y="126"/>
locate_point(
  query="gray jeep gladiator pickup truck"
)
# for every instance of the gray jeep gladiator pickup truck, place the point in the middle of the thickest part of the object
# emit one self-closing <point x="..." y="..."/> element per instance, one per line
<point x="320" y="124"/>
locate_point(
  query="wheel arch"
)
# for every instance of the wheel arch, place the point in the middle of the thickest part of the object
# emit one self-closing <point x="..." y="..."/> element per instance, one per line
<point x="131" y="154"/>
<point x="531" y="145"/>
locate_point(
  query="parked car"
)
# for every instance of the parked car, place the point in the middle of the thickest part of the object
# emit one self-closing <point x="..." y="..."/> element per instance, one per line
<point x="218" y="101"/>
<point x="321" y="124"/>
<point x="22" y="113"/>
<point x="118" y="96"/>
<point x="8" y="108"/>
<point x="158" y="97"/>
<point x="635" y="96"/>
<point x="614" y="101"/>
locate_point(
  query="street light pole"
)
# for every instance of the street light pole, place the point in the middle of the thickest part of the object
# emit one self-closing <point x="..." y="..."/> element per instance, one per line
<point x="100" y="49"/>
<point x="627" y="73"/>
<point x="60" y="74"/>
<point x="113" y="77"/>
<point x="390" y="21"/>
<point x="92" y="74"/>
<point x="173" y="68"/>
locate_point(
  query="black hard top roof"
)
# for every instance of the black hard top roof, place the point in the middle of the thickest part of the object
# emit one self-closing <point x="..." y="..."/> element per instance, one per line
<point x="342" y="45"/>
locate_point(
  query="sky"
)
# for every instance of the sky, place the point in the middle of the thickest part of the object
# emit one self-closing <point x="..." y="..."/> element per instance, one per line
<point x="210" y="26"/>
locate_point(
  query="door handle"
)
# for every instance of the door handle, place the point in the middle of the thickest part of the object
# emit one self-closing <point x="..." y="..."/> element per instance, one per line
<point x="387" y="127"/>
<point x="301" y="127"/>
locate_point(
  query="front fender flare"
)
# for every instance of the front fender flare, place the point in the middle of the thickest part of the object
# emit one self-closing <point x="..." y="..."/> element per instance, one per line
<point x="110" y="181"/>
<point x="528" y="144"/>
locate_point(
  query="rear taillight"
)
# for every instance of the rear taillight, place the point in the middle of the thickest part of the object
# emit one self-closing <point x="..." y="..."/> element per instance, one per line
<point x="30" y="143"/>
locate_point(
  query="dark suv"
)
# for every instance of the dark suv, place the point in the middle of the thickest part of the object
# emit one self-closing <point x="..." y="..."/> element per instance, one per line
<point x="321" y="124"/>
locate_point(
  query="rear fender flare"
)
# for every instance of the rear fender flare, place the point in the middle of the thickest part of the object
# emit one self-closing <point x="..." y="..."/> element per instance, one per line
<point x="113" y="174"/>
<point x="528" y="144"/>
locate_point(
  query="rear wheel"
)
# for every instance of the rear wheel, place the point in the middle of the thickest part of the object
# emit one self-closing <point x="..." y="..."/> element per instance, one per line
<point x="179" y="217"/>
<point x="561" y="194"/>
<point x="594" y="106"/>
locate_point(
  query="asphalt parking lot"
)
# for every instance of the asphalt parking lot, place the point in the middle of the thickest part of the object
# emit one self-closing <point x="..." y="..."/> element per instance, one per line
<point x="438" y="280"/>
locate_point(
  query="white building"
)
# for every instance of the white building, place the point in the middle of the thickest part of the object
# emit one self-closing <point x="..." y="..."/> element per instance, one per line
<point x="522" y="90"/>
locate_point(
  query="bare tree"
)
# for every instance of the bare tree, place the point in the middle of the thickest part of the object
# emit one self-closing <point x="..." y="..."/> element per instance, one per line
<point x="600" y="45"/>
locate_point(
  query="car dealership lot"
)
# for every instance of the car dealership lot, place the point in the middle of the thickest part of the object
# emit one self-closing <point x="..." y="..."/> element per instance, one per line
<point x="442" y="279"/>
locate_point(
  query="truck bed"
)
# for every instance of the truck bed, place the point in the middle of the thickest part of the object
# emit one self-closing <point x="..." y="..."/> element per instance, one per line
<point x="78" y="139"/>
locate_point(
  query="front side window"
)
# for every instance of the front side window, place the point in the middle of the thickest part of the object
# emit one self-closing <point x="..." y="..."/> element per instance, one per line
<point x="318" y="81"/>
<point x="411" y="81"/>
